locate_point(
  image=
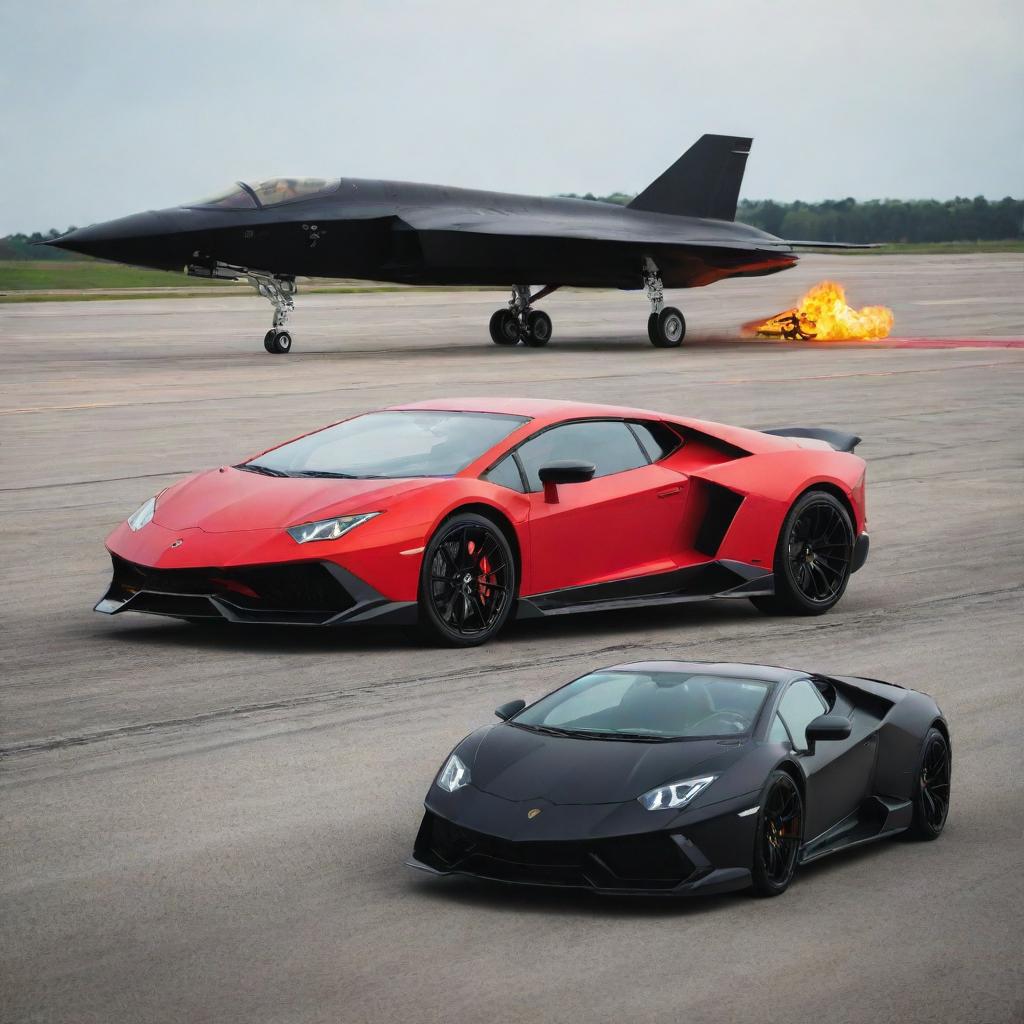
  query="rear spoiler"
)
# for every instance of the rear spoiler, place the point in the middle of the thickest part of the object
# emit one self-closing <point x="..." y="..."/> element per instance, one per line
<point x="837" y="439"/>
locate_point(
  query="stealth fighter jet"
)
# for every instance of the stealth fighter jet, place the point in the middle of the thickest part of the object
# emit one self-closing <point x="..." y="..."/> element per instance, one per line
<point x="678" y="233"/>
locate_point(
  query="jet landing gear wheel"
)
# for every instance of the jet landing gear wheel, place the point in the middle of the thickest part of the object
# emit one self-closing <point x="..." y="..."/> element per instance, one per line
<point x="667" y="328"/>
<point x="777" y="835"/>
<point x="277" y="342"/>
<point x="812" y="559"/>
<point x="538" y="329"/>
<point x="520" y="322"/>
<point x="504" y="328"/>
<point x="931" y="794"/>
<point x="467" y="582"/>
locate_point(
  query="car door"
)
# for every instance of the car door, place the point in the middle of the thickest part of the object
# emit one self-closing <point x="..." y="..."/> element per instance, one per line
<point x="626" y="521"/>
<point x="838" y="772"/>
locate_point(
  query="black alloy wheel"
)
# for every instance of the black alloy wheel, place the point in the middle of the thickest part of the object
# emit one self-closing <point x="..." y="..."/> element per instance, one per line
<point x="931" y="796"/>
<point x="813" y="558"/>
<point x="778" y="835"/>
<point x="504" y="328"/>
<point x="467" y="583"/>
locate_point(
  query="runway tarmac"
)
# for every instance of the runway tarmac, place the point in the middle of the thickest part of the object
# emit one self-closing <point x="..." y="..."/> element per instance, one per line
<point x="203" y="825"/>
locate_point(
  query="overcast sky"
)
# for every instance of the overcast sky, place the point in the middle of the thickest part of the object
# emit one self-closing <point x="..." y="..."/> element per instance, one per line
<point x="110" y="107"/>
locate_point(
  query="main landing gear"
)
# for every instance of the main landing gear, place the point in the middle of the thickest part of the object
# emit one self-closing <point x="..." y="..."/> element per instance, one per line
<point x="519" y="323"/>
<point x="666" y="326"/>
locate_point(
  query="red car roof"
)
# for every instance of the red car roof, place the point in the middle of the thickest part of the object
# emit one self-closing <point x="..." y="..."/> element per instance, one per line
<point x="535" y="408"/>
<point x="542" y="411"/>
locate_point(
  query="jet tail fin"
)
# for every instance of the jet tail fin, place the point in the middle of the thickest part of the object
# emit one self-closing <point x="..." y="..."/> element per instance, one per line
<point x="704" y="182"/>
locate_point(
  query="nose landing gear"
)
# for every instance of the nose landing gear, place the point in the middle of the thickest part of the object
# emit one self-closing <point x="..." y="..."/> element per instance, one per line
<point x="519" y="322"/>
<point x="278" y="289"/>
<point x="666" y="326"/>
<point x="280" y="292"/>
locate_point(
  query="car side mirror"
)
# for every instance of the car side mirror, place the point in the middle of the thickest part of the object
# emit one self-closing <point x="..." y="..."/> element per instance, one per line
<point x="827" y="727"/>
<point x="567" y="471"/>
<point x="506" y="711"/>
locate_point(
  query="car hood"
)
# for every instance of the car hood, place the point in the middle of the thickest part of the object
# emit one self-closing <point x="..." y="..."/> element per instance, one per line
<point x="227" y="500"/>
<point x="520" y="764"/>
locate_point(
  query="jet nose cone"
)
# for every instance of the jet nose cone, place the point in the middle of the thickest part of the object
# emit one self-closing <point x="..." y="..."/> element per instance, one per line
<point x="113" y="239"/>
<point x="143" y="239"/>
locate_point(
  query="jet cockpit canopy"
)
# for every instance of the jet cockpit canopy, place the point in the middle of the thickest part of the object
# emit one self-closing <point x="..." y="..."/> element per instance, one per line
<point x="241" y="196"/>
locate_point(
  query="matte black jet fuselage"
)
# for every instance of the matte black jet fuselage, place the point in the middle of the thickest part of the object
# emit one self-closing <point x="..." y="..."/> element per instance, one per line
<point x="679" y="232"/>
<point x="430" y="234"/>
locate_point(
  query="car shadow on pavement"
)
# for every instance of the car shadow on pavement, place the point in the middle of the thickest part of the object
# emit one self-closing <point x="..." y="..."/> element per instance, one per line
<point x="225" y="637"/>
<point x="478" y="894"/>
<point x="674" y="621"/>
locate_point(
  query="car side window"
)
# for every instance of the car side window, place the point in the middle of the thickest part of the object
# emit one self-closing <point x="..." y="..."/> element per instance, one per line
<point x="657" y="439"/>
<point x="506" y="474"/>
<point x="777" y="733"/>
<point x="609" y="444"/>
<point x="800" y="705"/>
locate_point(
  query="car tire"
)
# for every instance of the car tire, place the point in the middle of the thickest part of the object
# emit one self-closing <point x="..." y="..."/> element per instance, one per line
<point x="813" y="557"/>
<point x="931" y="787"/>
<point x="468" y="582"/>
<point x="778" y="834"/>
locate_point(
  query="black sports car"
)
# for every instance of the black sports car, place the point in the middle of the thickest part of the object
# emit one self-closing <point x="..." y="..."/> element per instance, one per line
<point x="684" y="777"/>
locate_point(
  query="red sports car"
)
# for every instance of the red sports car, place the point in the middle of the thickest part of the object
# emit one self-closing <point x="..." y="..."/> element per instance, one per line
<point x="459" y="513"/>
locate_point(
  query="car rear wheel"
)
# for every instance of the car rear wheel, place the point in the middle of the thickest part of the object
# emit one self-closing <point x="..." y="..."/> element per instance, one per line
<point x="931" y="789"/>
<point x="813" y="557"/>
<point x="778" y="835"/>
<point x="467" y="582"/>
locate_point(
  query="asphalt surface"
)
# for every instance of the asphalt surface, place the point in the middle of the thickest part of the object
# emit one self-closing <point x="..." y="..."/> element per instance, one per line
<point x="210" y="825"/>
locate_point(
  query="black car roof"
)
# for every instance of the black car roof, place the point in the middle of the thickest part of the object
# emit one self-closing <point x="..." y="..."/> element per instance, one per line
<point x="728" y="670"/>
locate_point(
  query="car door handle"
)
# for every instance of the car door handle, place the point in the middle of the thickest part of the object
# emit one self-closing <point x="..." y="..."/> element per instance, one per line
<point x="670" y="492"/>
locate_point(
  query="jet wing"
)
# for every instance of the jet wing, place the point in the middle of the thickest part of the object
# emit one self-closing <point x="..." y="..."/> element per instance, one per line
<point x="609" y="224"/>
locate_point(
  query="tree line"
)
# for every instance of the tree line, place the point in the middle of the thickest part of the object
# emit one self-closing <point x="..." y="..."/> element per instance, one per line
<point x="832" y="220"/>
<point x="21" y="247"/>
<point x="878" y="220"/>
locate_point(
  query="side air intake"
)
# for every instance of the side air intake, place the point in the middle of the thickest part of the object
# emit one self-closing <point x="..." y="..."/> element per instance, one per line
<point x="722" y="507"/>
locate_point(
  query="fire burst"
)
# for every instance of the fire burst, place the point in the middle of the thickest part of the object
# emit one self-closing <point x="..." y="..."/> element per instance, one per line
<point x="823" y="315"/>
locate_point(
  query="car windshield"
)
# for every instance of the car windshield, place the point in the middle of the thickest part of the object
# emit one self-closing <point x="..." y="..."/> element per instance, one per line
<point x="241" y="196"/>
<point x="649" y="705"/>
<point x="400" y="443"/>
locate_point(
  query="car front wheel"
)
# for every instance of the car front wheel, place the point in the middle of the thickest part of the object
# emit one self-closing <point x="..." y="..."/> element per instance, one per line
<point x="778" y="835"/>
<point x="467" y="582"/>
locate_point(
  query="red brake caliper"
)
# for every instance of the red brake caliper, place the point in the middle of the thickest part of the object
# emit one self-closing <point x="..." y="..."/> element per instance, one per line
<point x="485" y="578"/>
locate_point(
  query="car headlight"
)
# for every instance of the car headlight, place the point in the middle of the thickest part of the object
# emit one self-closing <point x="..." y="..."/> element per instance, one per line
<point x="454" y="775"/>
<point x="675" y="794"/>
<point x="327" y="529"/>
<point x="142" y="515"/>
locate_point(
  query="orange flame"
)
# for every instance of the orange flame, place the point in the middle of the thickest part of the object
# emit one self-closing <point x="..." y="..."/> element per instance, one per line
<point x="823" y="314"/>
